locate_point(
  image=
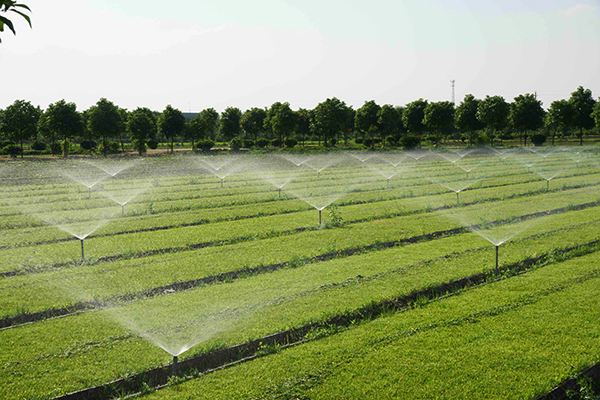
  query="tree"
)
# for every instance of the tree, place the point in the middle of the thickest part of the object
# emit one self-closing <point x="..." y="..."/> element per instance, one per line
<point x="281" y="120"/>
<point x="20" y="121"/>
<point x="171" y="124"/>
<point x="12" y="6"/>
<point x="583" y="104"/>
<point x="413" y="115"/>
<point x="229" y="125"/>
<point x="61" y="120"/>
<point x="437" y="116"/>
<point x="302" y="124"/>
<point x="252" y="122"/>
<point x="329" y="118"/>
<point x="141" y="126"/>
<point x="465" y="116"/>
<point x="105" y="121"/>
<point x="390" y="120"/>
<point x="210" y="123"/>
<point x="526" y="114"/>
<point x="596" y="114"/>
<point x="560" y="117"/>
<point x="493" y="112"/>
<point x="366" y="119"/>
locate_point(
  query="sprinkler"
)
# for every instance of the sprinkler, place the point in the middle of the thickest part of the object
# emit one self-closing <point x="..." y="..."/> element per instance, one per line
<point x="82" y="253"/>
<point x="122" y="209"/>
<point x="279" y="192"/>
<point x="318" y="174"/>
<point x="388" y="182"/>
<point x="320" y="216"/>
<point x="175" y="365"/>
<point x="222" y="182"/>
<point x="457" y="199"/>
<point x="547" y="185"/>
<point x="89" y="193"/>
<point x="497" y="269"/>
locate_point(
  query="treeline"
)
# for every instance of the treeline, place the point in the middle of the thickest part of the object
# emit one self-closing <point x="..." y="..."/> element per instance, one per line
<point x="105" y="127"/>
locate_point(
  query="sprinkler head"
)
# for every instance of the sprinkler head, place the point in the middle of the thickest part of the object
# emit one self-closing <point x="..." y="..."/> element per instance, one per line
<point x="279" y="192"/>
<point x="320" y="217"/>
<point x="222" y="182"/>
<point x="82" y="253"/>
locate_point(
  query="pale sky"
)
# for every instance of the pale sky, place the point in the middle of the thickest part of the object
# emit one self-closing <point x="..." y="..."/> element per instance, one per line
<point x="195" y="54"/>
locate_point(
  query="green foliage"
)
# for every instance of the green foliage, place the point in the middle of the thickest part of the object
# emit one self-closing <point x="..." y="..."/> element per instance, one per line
<point x="229" y="124"/>
<point x="12" y="150"/>
<point x="235" y="144"/>
<point x="171" y="123"/>
<point x="409" y="142"/>
<point x="19" y="121"/>
<point x="141" y="126"/>
<point x="61" y="121"/>
<point x="65" y="147"/>
<point x="152" y="144"/>
<point x="438" y="116"/>
<point x="413" y="115"/>
<point x="493" y="112"/>
<point x="281" y="120"/>
<point x="88" y="144"/>
<point x="205" y="145"/>
<point x="104" y="120"/>
<point x="465" y="117"/>
<point x="261" y="143"/>
<point x="12" y="6"/>
<point x="538" y="139"/>
<point x="582" y="102"/>
<point x="290" y="142"/>
<point x="330" y="118"/>
<point x="108" y="147"/>
<point x="39" y="146"/>
<point x="526" y="113"/>
<point x="367" y="117"/>
<point x="253" y="121"/>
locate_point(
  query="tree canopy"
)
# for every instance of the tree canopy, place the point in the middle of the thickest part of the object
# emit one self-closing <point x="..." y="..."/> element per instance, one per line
<point x="19" y="121"/>
<point x="465" y="116"/>
<point x="413" y="115"/>
<point x="583" y="104"/>
<point x="438" y="115"/>
<point x="105" y="120"/>
<point x="141" y="126"/>
<point x="229" y="124"/>
<point x="171" y="124"/>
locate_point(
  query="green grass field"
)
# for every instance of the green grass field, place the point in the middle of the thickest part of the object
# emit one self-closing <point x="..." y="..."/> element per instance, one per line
<point x="185" y="255"/>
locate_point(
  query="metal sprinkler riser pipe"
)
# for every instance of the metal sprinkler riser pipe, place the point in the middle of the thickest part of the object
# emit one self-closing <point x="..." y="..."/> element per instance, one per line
<point x="82" y="253"/>
<point x="497" y="269"/>
<point x="320" y="217"/>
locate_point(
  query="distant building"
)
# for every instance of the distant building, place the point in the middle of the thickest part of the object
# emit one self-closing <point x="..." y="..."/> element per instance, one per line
<point x="190" y="115"/>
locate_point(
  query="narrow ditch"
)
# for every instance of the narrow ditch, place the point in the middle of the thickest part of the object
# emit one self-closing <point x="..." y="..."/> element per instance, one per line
<point x="222" y="358"/>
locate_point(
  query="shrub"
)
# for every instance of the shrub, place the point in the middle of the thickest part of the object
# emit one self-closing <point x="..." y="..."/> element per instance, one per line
<point x="39" y="146"/>
<point x="333" y="141"/>
<point x="55" y="147"/>
<point x="481" y="139"/>
<point x="409" y="142"/>
<point x="4" y="143"/>
<point x="88" y="144"/>
<point x="376" y="141"/>
<point x="248" y="143"/>
<point x="538" y="139"/>
<point x="235" y="144"/>
<point x="368" y="143"/>
<point x="290" y="142"/>
<point x="108" y="147"/>
<point x="205" y="145"/>
<point x="358" y="140"/>
<point x="314" y="138"/>
<point x="152" y="144"/>
<point x="12" y="149"/>
<point x="391" y="141"/>
<point x="276" y="143"/>
<point x="262" y="143"/>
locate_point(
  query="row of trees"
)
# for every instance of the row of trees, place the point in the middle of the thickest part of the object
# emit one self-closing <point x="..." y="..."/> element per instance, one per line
<point x="329" y="122"/>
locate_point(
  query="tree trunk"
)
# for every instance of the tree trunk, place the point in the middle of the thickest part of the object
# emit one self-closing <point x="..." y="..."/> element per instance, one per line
<point x="21" y="148"/>
<point x="581" y="136"/>
<point x="121" y="140"/>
